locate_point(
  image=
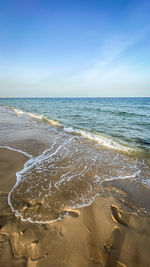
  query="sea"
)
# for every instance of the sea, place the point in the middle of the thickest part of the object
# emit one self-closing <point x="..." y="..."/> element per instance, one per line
<point x="93" y="141"/>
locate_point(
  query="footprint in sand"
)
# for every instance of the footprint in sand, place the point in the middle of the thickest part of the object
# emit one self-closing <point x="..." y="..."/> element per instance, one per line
<point x="112" y="249"/>
<point x="70" y="212"/>
<point x="119" y="216"/>
<point x="113" y="243"/>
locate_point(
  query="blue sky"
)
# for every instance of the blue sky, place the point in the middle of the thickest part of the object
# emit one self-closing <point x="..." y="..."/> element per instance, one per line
<point x="74" y="48"/>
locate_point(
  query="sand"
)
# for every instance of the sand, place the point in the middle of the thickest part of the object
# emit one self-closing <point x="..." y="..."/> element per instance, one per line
<point x="102" y="234"/>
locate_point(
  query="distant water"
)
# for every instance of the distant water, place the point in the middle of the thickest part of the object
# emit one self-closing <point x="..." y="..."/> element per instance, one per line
<point x="90" y="142"/>
<point x="119" y="123"/>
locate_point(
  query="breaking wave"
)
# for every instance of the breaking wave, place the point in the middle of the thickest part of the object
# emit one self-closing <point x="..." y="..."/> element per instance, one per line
<point x="100" y="138"/>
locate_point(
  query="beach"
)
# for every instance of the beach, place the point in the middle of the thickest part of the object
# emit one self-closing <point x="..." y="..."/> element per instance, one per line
<point x="75" y="133"/>
<point x="48" y="217"/>
<point x="102" y="234"/>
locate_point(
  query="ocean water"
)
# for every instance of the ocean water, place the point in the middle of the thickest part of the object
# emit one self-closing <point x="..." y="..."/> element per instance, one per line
<point x="91" y="142"/>
<point x="109" y="121"/>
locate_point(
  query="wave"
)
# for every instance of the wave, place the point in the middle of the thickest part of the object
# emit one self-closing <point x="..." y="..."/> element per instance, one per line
<point x="27" y="166"/>
<point x="36" y="116"/>
<point x="100" y="138"/>
<point x="103" y="140"/>
<point x="126" y="113"/>
<point x="118" y="112"/>
<point x="34" y="163"/>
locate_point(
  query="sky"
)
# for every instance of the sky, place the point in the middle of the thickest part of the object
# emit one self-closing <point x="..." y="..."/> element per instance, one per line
<point x="74" y="48"/>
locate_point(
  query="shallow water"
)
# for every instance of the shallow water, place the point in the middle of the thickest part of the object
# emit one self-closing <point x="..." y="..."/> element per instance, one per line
<point x="71" y="169"/>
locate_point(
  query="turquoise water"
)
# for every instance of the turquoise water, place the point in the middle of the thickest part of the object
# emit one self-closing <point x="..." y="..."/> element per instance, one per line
<point x="110" y="121"/>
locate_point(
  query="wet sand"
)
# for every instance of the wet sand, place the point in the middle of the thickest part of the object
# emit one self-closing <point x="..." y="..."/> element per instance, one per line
<point x="102" y="234"/>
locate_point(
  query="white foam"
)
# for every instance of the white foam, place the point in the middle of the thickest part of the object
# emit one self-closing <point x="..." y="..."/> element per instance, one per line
<point x="17" y="150"/>
<point x="27" y="166"/>
<point x="18" y="111"/>
<point x="54" y="122"/>
<point x="134" y="175"/>
<point x="36" y="116"/>
<point x="101" y="139"/>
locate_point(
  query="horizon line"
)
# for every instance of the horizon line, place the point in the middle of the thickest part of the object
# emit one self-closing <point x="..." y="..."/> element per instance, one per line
<point x="75" y="97"/>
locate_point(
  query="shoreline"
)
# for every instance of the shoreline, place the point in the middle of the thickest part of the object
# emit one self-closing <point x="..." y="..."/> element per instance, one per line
<point x="105" y="140"/>
<point x="109" y="232"/>
<point x="102" y="234"/>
